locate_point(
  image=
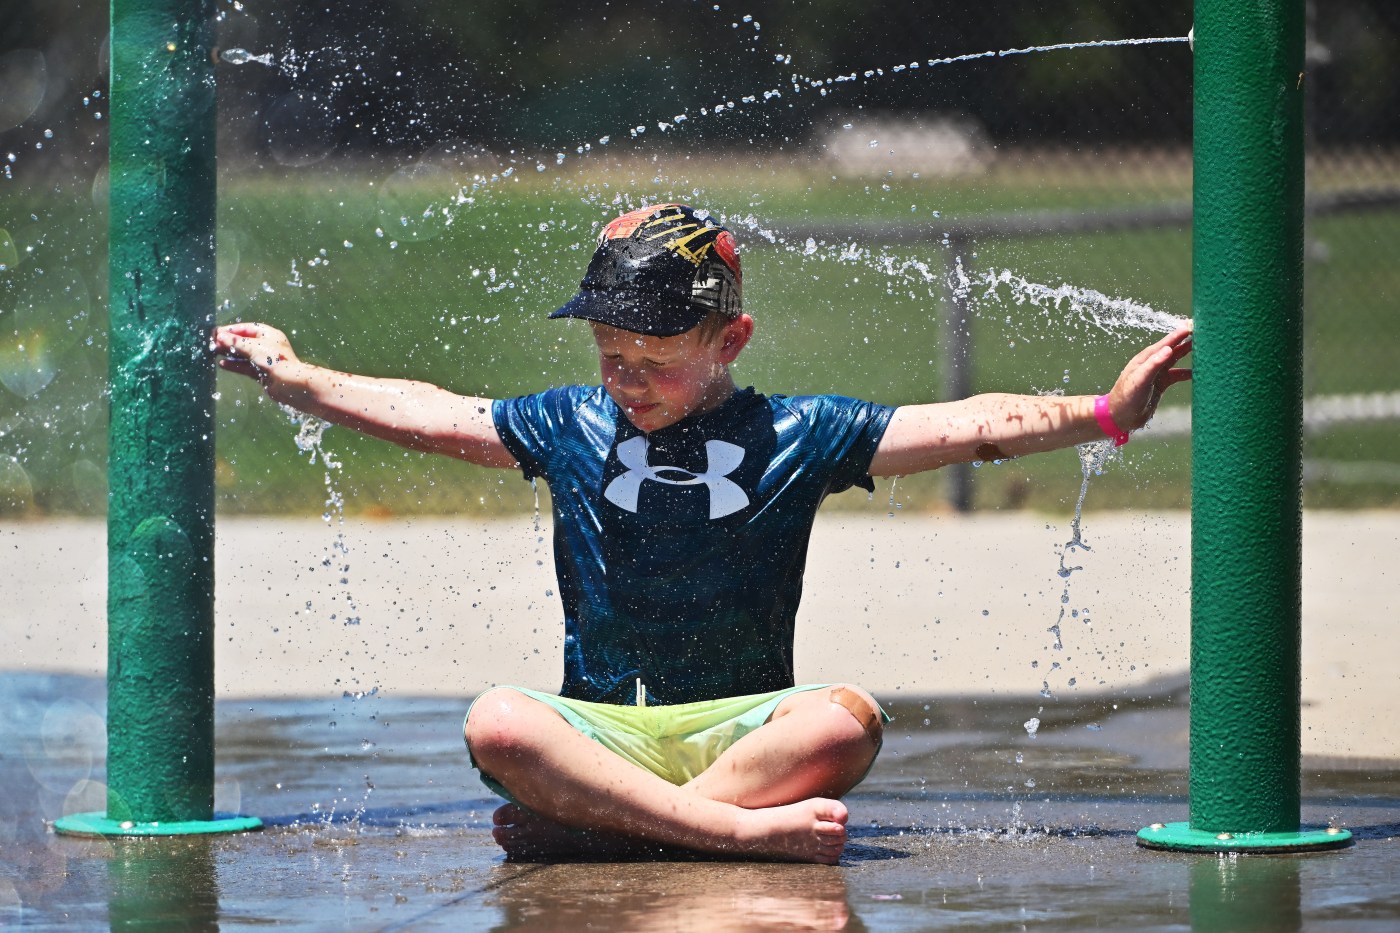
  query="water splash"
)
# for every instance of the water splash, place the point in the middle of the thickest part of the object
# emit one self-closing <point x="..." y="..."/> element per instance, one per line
<point x="1112" y="315"/>
<point x="796" y="83"/>
<point x="310" y="440"/>
<point x="310" y="432"/>
<point x="245" y="57"/>
<point x="1093" y="459"/>
<point x="799" y="83"/>
<point x="1115" y="316"/>
<point x="537" y="526"/>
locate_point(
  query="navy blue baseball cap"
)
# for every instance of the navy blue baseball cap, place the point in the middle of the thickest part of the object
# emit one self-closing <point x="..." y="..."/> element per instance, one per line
<point x="660" y="271"/>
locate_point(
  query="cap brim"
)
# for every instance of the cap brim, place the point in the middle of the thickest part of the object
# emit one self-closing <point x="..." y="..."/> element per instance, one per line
<point x="649" y="314"/>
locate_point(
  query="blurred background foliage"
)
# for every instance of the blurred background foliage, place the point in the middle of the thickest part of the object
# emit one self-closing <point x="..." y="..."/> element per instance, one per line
<point x="544" y="74"/>
<point x="410" y="186"/>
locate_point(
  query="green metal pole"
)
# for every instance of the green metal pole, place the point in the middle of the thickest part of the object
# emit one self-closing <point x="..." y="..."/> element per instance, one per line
<point x="1246" y="549"/>
<point x="1247" y="417"/>
<point x="160" y="525"/>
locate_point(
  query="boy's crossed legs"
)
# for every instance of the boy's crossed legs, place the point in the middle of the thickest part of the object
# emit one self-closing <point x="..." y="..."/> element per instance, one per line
<point x="771" y="794"/>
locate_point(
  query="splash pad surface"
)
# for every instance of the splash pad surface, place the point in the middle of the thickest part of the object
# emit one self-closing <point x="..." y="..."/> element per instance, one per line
<point x="374" y="822"/>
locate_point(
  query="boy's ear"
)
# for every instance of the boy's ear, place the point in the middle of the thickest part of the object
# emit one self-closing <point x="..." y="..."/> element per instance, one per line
<point x="734" y="338"/>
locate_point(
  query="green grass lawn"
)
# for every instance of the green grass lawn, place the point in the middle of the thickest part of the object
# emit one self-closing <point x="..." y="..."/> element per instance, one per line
<point x="459" y="299"/>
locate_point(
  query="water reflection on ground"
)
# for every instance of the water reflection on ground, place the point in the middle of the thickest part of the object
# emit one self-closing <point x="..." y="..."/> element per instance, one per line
<point x="644" y="897"/>
<point x="375" y="822"/>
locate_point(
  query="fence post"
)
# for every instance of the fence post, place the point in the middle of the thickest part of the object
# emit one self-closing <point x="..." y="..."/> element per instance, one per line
<point x="1247" y="408"/>
<point x="160" y="523"/>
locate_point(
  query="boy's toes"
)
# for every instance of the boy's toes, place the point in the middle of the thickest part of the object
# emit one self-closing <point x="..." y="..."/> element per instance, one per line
<point x="509" y="814"/>
<point x="833" y="811"/>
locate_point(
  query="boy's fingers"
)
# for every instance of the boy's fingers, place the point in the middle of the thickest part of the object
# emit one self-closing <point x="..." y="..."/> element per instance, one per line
<point x="241" y="367"/>
<point x="1163" y="354"/>
<point x="1178" y="342"/>
<point x="1171" y="348"/>
<point x="229" y="334"/>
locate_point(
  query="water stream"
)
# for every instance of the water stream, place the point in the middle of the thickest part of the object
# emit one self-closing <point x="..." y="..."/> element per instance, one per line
<point x="309" y="440"/>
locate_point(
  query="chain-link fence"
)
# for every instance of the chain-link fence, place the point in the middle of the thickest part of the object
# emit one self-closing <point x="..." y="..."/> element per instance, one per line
<point x="411" y="189"/>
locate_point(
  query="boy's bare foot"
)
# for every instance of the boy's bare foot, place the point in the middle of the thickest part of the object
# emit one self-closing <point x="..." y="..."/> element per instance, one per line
<point x="524" y="834"/>
<point x="807" y="831"/>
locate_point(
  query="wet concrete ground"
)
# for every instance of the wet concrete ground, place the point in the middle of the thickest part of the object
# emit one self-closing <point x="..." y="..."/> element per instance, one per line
<point x="375" y="822"/>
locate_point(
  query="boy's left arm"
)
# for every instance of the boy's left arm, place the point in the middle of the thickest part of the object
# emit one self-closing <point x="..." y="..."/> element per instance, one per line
<point x="998" y="426"/>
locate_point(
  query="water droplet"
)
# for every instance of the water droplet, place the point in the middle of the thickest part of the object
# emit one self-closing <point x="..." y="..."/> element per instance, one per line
<point x="244" y="57"/>
<point x="1031" y="726"/>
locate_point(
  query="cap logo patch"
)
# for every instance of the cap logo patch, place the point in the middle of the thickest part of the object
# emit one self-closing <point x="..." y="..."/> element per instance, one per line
<point x="680" y="238"/>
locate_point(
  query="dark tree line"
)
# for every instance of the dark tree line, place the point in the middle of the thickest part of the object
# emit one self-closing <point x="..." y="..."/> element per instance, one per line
<point x="540" y="74"/>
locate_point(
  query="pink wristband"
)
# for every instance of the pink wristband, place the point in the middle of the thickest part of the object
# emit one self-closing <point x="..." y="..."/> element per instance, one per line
<point x="1105" y="419"/>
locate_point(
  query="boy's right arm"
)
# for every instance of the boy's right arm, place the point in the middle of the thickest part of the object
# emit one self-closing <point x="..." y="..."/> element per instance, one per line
<point x="412" y="414"/>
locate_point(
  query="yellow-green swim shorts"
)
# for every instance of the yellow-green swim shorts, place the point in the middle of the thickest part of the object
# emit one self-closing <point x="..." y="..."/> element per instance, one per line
<point x="675" y="742"/>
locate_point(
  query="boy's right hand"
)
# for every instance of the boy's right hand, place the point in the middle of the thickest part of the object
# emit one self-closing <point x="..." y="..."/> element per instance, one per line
<point x="252" y="350"/>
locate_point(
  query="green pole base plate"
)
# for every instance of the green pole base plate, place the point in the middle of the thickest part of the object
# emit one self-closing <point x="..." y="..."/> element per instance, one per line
<point x="1180" y="837"/>
<point x="97" y="825"/>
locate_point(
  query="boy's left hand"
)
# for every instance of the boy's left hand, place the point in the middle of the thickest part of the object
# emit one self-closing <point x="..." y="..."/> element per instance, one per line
<point x="1139" y="388"/>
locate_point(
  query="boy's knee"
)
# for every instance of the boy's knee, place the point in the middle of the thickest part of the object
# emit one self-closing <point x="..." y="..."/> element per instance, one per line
<point x="491" y="725"/>
<point x="863" y="709"/>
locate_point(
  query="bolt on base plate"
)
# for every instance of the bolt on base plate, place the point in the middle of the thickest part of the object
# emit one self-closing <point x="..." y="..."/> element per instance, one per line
<point x="98" y="825"/>
<point x="1182" y="838"/>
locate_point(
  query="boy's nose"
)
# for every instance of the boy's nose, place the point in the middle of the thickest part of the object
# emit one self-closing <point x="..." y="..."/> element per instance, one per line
<point x="628" y="378"/>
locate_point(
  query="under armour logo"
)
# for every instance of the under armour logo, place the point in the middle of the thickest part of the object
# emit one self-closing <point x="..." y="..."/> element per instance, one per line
<point x="723" y="458"/>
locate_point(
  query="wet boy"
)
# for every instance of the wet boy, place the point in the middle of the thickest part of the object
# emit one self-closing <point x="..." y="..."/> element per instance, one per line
<point x="682" y="509"/>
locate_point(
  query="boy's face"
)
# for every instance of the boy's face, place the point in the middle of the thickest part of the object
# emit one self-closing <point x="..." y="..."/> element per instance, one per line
<point x="657" y="381"/>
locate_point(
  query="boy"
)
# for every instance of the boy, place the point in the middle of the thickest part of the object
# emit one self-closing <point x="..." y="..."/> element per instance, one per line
<point x="682" y="509"/>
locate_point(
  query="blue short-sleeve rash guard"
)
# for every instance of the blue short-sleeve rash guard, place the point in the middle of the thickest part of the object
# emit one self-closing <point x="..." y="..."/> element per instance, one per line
<point x="680" y="552"/>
